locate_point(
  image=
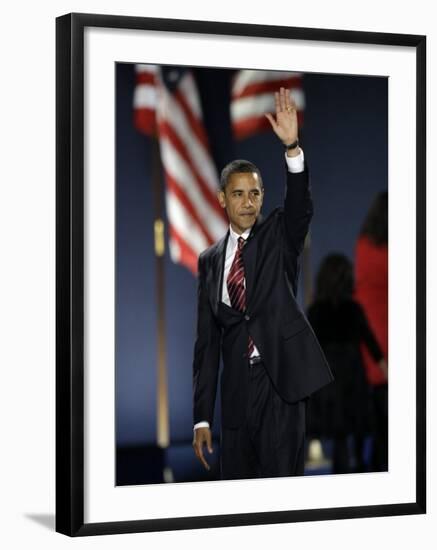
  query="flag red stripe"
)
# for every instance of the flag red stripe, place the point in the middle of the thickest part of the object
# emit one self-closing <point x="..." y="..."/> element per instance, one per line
<point x="146" y="78"/>
<point x="145" y="121"/>
<point x="174" y="187"/>
<point x="194" y="231"/>
<point x="166" y="130"/>
<point x="268" y="86"/>
<point x="195" y="124"/>
<point x="188" y="256"/>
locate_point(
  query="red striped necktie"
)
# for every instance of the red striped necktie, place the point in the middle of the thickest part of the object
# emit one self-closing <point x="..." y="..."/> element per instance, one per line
<point x="235" y="282"/>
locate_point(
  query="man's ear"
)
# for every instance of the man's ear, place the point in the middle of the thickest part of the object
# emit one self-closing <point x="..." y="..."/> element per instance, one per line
<point x="221" y="198"/>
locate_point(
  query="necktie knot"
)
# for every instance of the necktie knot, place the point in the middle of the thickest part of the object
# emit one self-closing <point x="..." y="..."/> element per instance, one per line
<point x="240" y="243"/>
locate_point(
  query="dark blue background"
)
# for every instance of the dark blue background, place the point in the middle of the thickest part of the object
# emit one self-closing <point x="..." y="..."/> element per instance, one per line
<point x="345" y="143"/>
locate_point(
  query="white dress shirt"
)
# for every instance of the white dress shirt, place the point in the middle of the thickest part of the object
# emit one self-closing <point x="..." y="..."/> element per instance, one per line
<point x="295" y="165"/>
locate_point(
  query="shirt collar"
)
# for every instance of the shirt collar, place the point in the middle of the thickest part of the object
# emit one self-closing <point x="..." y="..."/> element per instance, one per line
<point x="234" y="236"/>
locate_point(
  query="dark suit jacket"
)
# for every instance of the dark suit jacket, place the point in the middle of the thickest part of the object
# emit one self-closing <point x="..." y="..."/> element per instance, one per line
<point x="280" y="330"/>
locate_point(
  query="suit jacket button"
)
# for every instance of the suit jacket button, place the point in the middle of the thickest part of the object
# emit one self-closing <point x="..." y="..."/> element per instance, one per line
<point x="247" y="317"/>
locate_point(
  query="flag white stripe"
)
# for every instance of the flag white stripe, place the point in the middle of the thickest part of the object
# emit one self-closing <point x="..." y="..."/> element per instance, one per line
<point x="259" y="104"/>
<point x="144" y="68"/>
<point x="181" y="172"/>
<point x="184" y="224"/>
<point x="175" y="250"/>
<point x="145" y="96"/>
<point x="169" y="109"/>
<point x="189" y="90"/>
<point x="247" y="77"/>
<point x="181" y="160"/>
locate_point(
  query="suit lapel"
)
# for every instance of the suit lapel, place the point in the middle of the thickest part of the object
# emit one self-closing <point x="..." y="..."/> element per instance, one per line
<point x="218" y="264"/>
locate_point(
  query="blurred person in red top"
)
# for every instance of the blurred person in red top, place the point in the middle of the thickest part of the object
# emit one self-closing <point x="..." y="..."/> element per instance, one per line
<point x="371" y="291"/>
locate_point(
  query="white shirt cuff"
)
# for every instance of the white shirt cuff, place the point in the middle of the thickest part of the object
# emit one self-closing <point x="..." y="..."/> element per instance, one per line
<point x="295" y="164"/>
<point x="203" y="424"/>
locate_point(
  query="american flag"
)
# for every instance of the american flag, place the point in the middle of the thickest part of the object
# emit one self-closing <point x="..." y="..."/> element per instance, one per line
<point x="252" y="95"/>
<point x="167" y="105"/>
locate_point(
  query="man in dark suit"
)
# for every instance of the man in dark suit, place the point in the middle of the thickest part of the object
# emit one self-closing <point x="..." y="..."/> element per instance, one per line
<point x="247" y="311"/>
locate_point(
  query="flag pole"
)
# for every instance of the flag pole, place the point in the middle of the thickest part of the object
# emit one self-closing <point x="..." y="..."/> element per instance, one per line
<point x="162" y="408"/>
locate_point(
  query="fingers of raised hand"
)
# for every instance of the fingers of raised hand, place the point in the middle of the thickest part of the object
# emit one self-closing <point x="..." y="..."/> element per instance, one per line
<point x="284" y="101"/>
<point x="290" y="103"/>
<point x="280" y="101"/>
<point x="283" y="98"/>
<point x="277" y="103"/>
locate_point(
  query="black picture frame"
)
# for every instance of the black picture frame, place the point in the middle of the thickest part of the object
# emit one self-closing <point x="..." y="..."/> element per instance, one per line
<point x="70" y="488"/>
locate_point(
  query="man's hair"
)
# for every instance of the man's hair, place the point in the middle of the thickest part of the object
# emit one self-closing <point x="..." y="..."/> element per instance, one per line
<point x="238" y="166"/>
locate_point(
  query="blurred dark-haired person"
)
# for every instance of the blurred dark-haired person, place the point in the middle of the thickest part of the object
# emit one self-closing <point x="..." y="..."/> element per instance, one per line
<point x="249" y="316"/>
<point x="342" y="409"/>
<point x="371" y="275"/>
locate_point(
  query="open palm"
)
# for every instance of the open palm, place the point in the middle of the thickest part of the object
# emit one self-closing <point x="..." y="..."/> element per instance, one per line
<point x="285" y="126"/>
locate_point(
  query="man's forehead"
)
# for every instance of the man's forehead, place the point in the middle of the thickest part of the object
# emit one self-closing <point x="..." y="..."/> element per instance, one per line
<point x="247" y="178"/>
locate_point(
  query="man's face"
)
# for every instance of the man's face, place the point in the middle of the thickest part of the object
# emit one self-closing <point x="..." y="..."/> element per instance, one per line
<point x="242" y="199"/>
